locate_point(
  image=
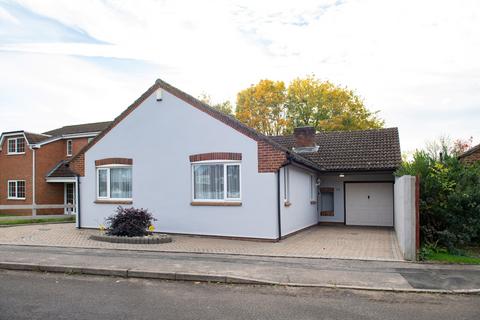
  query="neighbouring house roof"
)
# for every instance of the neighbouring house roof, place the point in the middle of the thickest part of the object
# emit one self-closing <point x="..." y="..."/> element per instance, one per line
<point x="363" y="150"/>
<point x="470" y="151"/>
<point x="228" y="120"/>
<point x="79" y="128"/>
<point x="61" y="170"/>
<point x="34" y="138"/>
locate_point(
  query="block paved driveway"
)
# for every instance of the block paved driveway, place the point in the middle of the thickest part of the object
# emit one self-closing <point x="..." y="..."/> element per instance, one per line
<point x="317" y="242"/>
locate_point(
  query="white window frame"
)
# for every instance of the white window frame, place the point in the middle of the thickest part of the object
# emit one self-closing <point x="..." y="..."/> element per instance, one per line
<point x="16" y="145"/>
<point x="107" y="168"/>
<point x="225" y="164"/>
<point x="16" y="197"/>
<point x="69" y="148"/>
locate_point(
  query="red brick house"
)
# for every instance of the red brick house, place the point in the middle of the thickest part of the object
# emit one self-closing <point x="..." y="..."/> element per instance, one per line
<point x="27" y="161"/>
<point x="470" y="156"/>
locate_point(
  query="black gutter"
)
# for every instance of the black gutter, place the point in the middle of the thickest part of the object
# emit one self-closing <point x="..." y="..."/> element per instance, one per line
<point x="279" y="215"/>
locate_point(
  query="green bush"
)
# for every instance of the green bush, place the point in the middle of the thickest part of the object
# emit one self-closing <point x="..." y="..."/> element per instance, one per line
<point x="449" y="199"/>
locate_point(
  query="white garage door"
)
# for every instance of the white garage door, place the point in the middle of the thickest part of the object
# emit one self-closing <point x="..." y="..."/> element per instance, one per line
<point x="369" y="204"/>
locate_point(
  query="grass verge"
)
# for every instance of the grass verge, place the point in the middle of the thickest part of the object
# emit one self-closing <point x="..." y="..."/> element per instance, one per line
<point x="451" y="258"/>
<point x="36" y="220"/>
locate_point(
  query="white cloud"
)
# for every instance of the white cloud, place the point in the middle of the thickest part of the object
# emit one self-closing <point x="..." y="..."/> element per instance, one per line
<point x="416" y="61"/>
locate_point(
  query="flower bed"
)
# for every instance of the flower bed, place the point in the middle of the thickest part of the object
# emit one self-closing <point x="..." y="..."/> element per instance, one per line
<point x="152" y="239"/>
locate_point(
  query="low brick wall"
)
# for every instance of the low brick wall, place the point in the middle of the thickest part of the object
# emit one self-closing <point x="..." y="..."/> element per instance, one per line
<point x="155" y="239"/>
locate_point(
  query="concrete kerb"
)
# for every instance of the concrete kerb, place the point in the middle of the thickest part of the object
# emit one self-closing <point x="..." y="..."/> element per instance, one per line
<point x="180" y="276"/>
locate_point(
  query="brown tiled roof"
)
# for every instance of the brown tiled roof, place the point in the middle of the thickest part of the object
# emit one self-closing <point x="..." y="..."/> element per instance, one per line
<point x="363" y="150"/>
<point x="228" y="120"/>
<point x="79" y="128"/>
<point x="35" y="137"/>
<point x="470" y="151"/>
<point x="61" y="170"/>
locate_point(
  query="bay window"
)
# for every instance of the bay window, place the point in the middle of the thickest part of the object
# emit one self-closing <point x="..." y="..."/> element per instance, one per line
<point x="216" y="181"/>
<point x="114" y="182"/>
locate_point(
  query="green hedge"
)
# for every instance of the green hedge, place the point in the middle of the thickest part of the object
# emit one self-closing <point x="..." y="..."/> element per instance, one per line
<point x="449" y="200"/>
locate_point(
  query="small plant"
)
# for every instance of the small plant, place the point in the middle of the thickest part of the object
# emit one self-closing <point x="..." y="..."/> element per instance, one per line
<point x="130" y="222"/>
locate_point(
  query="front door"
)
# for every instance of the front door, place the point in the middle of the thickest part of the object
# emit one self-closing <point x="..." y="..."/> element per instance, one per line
<point x="70" y="197"/>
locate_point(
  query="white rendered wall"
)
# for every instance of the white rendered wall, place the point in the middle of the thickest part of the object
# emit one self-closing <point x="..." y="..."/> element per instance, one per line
<point x="405" y="217"/>
<point x="159" y="137"/>
<point x="301" y="213"/>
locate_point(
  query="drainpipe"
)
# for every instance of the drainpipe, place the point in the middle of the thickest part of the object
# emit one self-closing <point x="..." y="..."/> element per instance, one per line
<point x="279" y="202"/>
<point x="77" y="190"/>
<point x="279" y="215"/>
<point x="34" y="202"/>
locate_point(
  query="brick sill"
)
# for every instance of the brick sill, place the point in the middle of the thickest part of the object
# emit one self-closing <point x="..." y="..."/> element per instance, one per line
<point x="113" y="202"/>
<point x="216" y="204"/>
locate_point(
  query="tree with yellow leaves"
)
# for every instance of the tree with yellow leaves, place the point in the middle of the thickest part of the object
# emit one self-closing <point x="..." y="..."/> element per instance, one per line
<point x="325" y="106"/>
<point x="273" y="109"/>
<point x="262" y="107"/>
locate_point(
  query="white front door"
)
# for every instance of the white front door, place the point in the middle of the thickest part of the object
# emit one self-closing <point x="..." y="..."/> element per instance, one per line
<point x="70" y="198"/>
<point x="369" y="204"/>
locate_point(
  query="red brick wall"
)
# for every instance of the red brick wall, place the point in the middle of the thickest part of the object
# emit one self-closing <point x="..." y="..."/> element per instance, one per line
<point x="471" y="158"/>
<point x="78" y="164"/>
<point x="15" y="167"/>
<point x="269" y="158"/>
<point x="19" y="167"/>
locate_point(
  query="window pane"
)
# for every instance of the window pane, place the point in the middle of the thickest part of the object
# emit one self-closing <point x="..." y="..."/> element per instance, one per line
<point x="208" y="181"/>
<point x="233" y="181"/>
<point x="20" y="189"/>
<point x="327" y="201"/>
<point x="121" y="183"/>
<point x="20" y="145"/>
<point x="69" y="147"/>
<point x="12" y="190"/>
<point x="102" y="183"/>
<point x="12" y="146"/>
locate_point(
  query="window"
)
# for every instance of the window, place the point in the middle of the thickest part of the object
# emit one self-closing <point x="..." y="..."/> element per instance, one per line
<point x="69" y="147"/>
<point x="114" y="183"/>
<point x="16" y="189"/>
<point x="286" y="184"/>
<point x="89" y="139"/>
<point x="327" y="201"/>
<point x="16" y="146"/>
<point x="313" y="188"/>
<point x="216" y="181"/>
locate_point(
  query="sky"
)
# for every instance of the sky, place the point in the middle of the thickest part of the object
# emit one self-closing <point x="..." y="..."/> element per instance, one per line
<point x="70" y="62"/>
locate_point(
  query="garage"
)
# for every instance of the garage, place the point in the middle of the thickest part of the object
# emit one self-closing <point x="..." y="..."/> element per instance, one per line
<point x="369" y="204"/>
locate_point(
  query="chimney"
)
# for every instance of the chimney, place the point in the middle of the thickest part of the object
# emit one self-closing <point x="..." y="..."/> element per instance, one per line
<point x="304" y="137"/>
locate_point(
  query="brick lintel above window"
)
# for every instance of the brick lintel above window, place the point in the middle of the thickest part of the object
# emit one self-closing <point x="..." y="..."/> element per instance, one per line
<point x="216" y="156"/>
<point x="107" y="161"/>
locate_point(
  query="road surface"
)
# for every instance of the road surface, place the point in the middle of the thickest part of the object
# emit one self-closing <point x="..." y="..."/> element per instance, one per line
<point x="34" y="295"/>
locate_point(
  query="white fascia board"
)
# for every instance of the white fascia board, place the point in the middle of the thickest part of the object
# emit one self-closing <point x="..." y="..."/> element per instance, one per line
<point x="60" y="179"/>
<point x="12" y="134"/>
<point x="68" y="136"/>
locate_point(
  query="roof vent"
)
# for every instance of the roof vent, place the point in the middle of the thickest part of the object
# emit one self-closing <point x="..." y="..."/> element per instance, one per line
<point x="159" y="94"/>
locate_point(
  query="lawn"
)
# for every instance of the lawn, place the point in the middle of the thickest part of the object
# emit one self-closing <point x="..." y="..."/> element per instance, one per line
<point x="469" y="258"/>
<point x="36" y="220"/>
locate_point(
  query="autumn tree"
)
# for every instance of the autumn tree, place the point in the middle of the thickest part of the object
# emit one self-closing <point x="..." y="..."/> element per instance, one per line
<point x="225" y="107"/>
<point x="273" y="109"/>
<point x="325" y="106"/>
<point x="262" y="107"/>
